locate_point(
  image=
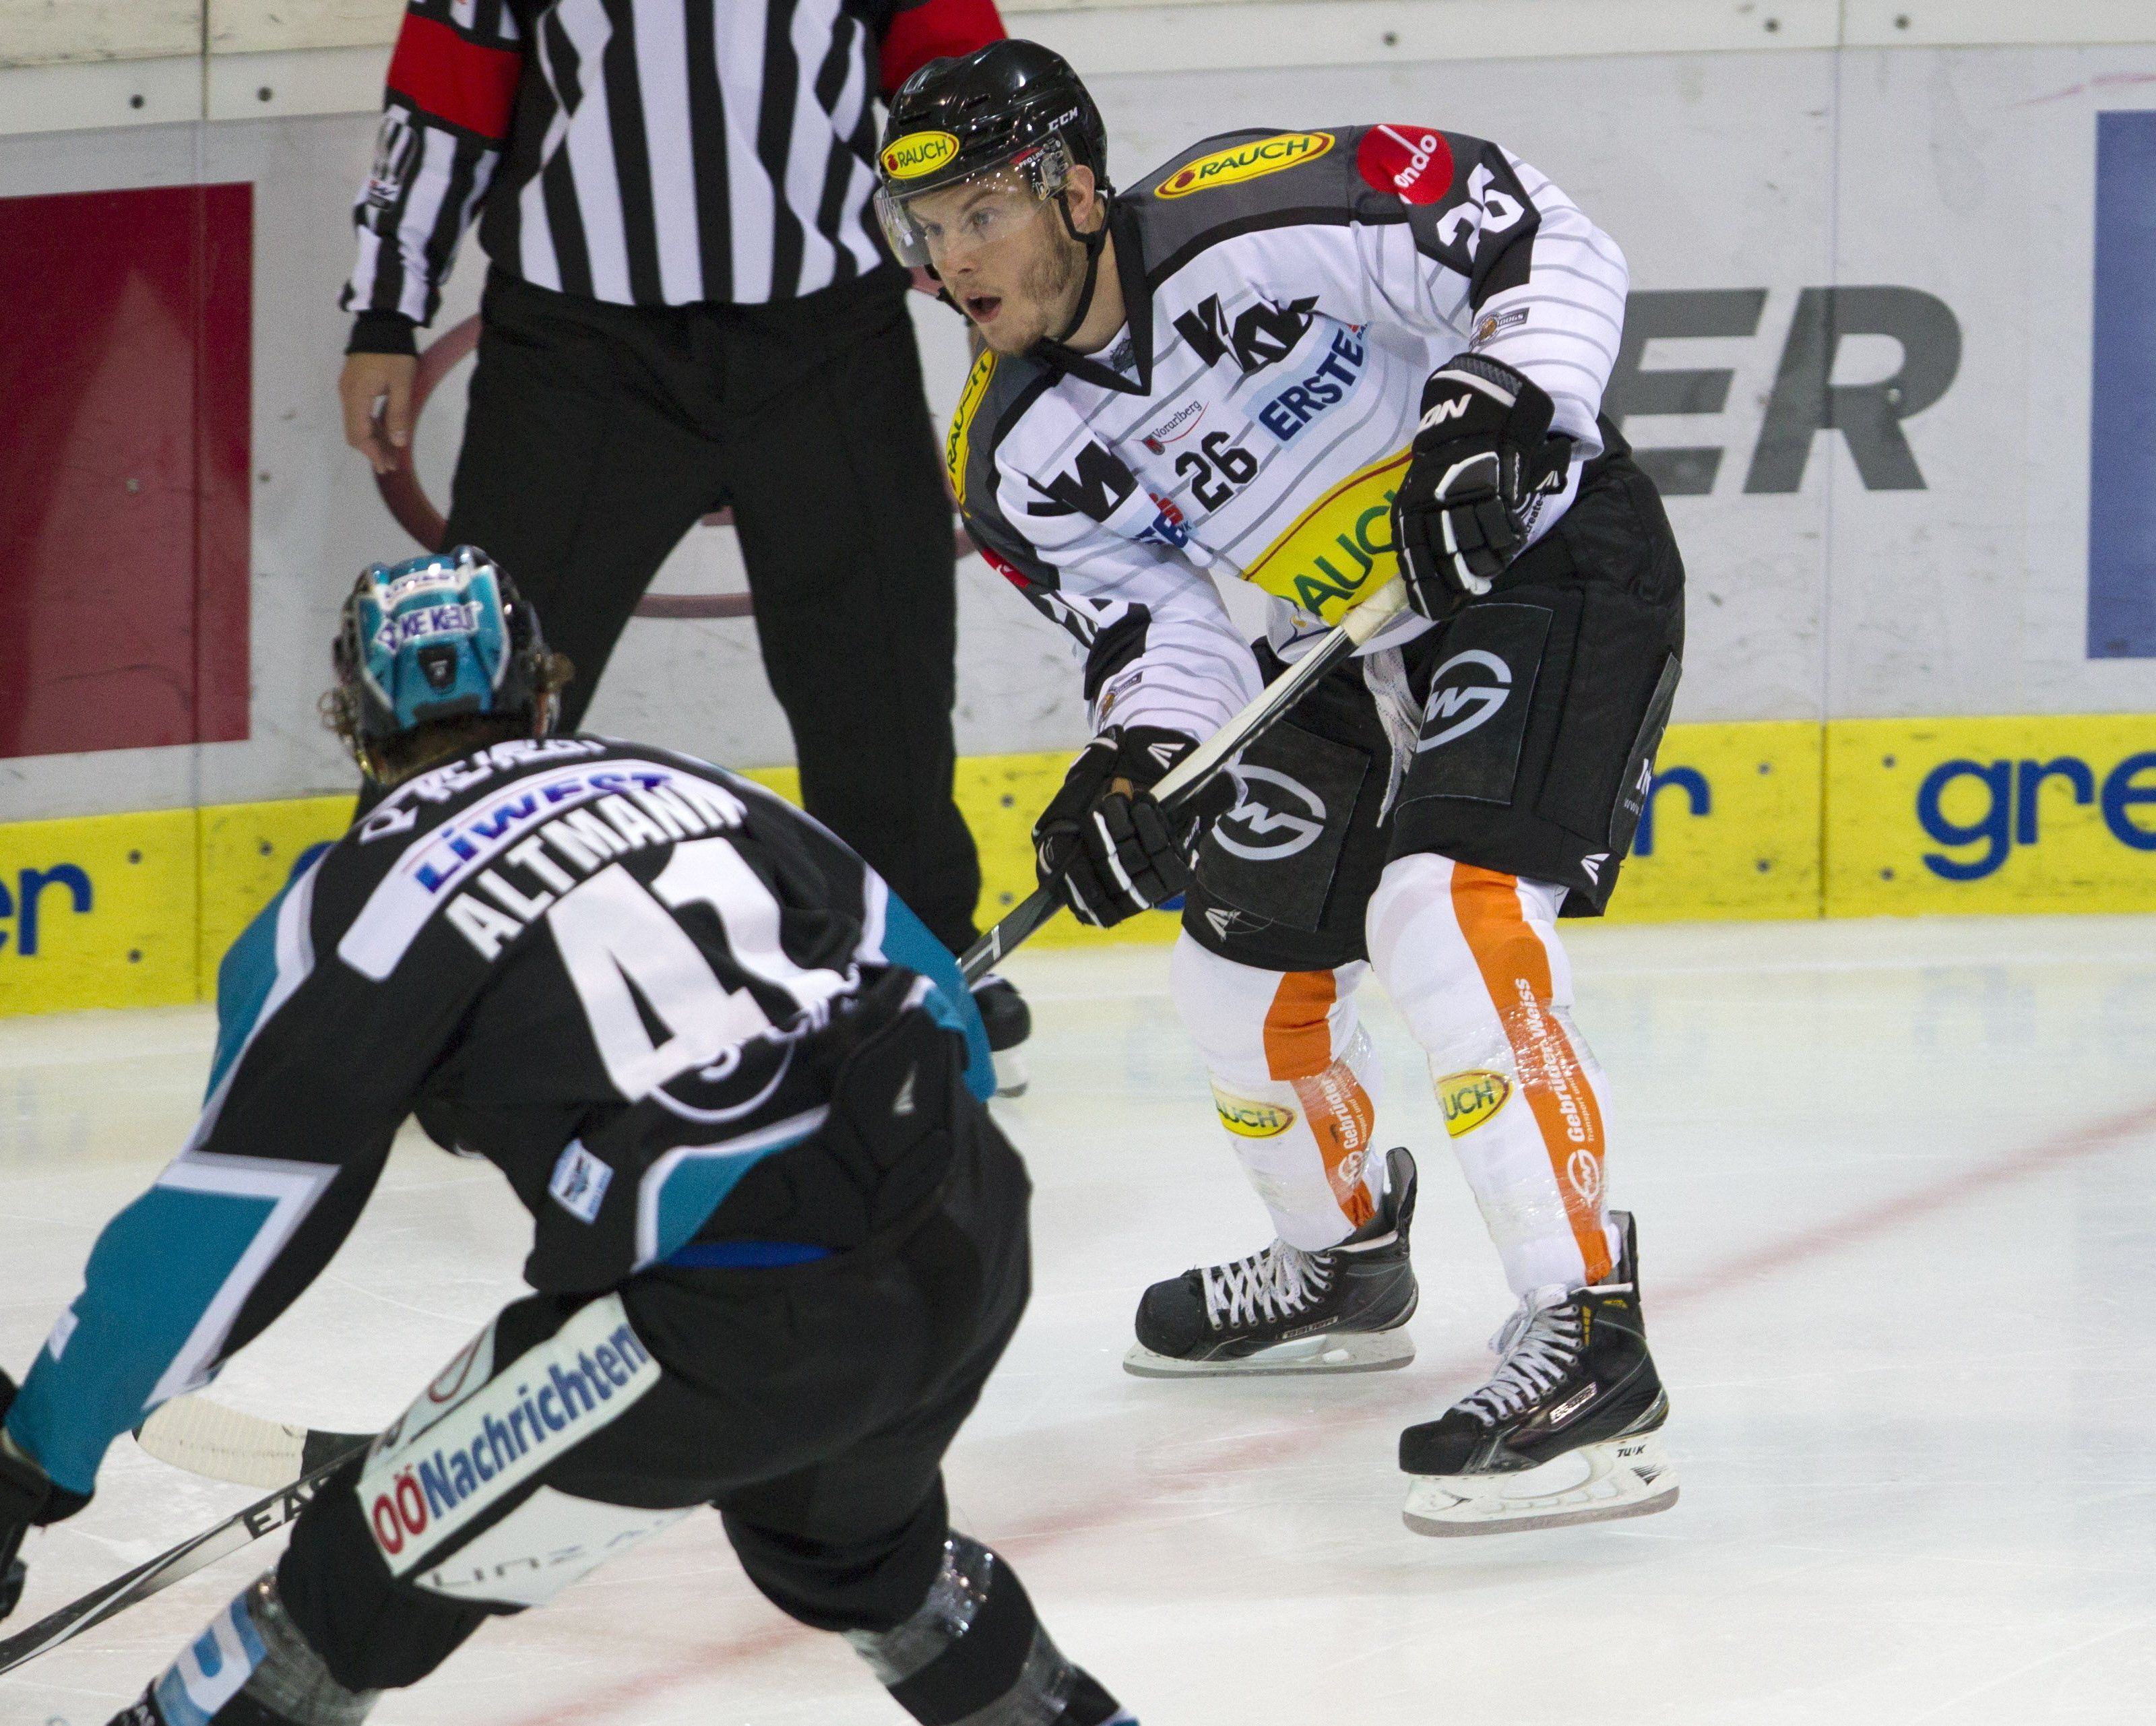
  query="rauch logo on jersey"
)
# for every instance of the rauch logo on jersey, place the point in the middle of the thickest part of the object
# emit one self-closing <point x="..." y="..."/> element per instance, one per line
<point x="958" y="442"/>
<point x="1245" y="162"/>
<point x="1338" y="549"/>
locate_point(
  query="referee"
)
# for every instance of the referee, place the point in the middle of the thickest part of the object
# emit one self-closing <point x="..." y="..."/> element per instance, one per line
<point x="690" y="306"/>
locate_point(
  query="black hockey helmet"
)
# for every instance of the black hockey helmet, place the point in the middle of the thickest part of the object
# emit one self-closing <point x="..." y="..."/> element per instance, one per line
<point x="1011" y="106"/>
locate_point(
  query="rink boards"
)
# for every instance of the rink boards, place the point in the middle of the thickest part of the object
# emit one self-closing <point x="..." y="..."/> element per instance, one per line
<point x="1859" y="818"/>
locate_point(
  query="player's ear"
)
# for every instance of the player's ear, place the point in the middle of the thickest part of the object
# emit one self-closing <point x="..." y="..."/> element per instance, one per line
<point x="1081" y="191"/>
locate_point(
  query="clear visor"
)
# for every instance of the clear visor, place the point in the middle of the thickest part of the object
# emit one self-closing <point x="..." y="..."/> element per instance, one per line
<point x="939" y="223"/>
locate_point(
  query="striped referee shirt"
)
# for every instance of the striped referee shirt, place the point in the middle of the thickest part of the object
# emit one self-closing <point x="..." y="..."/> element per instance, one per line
<point x="646" y="152"/>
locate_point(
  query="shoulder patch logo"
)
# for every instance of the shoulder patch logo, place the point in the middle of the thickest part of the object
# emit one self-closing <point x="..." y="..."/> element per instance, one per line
<point x="1245" y="162"/>
<point x="960" y="438"/>
<point x="1414" y="162"/>
<point x="918" y="153"/>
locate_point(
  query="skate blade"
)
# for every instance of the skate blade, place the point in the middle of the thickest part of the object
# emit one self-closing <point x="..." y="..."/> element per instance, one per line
<point x="1379" y="1351"/>
<point x="1597" y="1484"/>
<point x="1011" y="1076"/>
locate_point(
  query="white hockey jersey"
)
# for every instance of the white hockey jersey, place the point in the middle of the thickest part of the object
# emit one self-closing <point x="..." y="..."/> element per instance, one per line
<point x="1287" y="294"/>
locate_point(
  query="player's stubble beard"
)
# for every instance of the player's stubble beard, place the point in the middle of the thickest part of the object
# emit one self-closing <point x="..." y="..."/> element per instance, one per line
<point x="1047" y="287"/>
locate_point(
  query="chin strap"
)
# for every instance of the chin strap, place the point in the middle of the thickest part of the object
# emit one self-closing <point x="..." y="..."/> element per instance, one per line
<point x="1094" y="244"/>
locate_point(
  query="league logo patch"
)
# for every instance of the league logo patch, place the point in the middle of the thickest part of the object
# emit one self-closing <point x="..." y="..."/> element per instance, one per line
<point x="396" y="154"/>
<point x="580" y="1182"/>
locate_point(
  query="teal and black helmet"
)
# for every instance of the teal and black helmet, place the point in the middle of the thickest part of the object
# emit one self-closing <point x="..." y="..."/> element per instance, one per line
<point x="437" y="638"/>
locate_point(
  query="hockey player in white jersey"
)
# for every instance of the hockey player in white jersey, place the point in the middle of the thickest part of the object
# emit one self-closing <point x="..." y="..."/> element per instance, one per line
<point x="1312" y="360"/>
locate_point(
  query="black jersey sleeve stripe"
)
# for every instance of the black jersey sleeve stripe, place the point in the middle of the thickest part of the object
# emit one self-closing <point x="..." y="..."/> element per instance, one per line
<point x="774" y="139"/>
<point x="632" y="155"/>
<point x="707" y="129"/>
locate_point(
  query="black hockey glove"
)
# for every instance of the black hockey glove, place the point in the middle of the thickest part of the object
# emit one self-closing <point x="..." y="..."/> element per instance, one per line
<point x="27" y="1499"/>
<point x="1482" y="457"/>
<point x="1116" y="852"/>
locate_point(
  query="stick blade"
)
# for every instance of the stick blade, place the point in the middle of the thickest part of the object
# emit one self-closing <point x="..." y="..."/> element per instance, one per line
<point x="205" y="1438"/>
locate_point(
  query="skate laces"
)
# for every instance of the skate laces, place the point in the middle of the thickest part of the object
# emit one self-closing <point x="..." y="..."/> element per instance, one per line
<point x="1537" y="1346"/>
<point x="1266" y="1285"/>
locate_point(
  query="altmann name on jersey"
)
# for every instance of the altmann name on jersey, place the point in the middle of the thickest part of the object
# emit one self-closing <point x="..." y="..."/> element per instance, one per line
<point x="419" y="1493"/>
<point x="1340" y="548"/>
<point x="1245" y="162"/>
<point x="634" y="803"/>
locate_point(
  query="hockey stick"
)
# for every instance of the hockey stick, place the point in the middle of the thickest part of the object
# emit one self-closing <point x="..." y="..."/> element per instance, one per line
<point x="266" y="1516"/>
<point x="1208" y="760"/>
<point x="208" y="1439"/>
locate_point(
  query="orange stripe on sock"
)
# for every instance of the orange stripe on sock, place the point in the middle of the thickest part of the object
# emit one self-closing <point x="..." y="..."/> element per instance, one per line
<point x="1298" y="1035"/>
<point x="1516" y="971"/>
<point x="1299" y="1024"/>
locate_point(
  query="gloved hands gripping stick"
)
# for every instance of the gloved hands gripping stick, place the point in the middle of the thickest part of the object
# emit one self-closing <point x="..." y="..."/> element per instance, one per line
<point x="1482" y="457"/>
<point x="28" y="1499"/>
<point x="1204" y="763"/>
<point x="1106" y="841"/>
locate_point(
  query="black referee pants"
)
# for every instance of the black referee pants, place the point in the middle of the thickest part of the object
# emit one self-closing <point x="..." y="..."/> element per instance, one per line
<point x="597" y="436"/>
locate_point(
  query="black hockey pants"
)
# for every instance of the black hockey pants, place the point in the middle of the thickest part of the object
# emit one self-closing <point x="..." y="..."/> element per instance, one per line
<point x="811" y="1404"/>
<point x="597" y="435"/>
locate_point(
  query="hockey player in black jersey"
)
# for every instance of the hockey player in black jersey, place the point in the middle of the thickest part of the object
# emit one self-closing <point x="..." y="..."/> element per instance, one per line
<point x="777" y="1243"/>
<point x="1316" y="361"/>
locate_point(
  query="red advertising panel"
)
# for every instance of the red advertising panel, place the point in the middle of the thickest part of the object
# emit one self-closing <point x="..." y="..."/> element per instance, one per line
<point x="125" y="364"/>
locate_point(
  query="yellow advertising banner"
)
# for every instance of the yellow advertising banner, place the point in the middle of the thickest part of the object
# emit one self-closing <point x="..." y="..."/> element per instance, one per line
<point x="2055" y="813"/>
<point x="1860" y="818"/>
<point x="248" y="852"/>
<point x="1732" y="828"/>
<point x="98" y="913"/>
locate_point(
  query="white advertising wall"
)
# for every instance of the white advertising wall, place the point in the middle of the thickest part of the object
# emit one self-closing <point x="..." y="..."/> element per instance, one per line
<point x="1859" y="358"/>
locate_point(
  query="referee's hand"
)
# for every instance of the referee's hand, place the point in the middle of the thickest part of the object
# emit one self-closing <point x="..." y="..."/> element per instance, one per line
<point x="377" y="392"/>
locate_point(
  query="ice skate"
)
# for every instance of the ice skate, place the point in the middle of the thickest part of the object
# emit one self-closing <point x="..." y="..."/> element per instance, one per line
<point x="1569" y="1429"/>
<point x="1342" y="1310"/>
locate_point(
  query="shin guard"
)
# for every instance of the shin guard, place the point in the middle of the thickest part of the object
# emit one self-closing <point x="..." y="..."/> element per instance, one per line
<point x="253" y="1668"/>
<point x="1294" y="1083"/>
<point x="974" y="1654"/>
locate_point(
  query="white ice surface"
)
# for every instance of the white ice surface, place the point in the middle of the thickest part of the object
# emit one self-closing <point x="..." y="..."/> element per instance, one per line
<point x="1896" y="1186"/>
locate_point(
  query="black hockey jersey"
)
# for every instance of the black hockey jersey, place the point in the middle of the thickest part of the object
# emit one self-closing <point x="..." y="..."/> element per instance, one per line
<point x="609" y="970"/>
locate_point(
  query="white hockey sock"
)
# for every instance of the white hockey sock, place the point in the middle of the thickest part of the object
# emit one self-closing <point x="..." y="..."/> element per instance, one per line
<point x="1294" y="1083"/>
<point x="1471" y="959"/>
